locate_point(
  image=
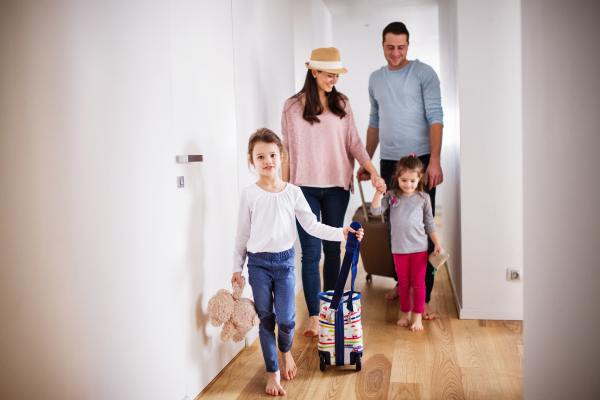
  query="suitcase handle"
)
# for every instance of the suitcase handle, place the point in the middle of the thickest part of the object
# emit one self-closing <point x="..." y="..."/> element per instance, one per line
<point x="364" y="205"/>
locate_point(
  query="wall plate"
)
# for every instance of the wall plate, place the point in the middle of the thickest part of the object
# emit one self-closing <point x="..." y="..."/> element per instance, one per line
<point x="514" y="275"/>
<point x="180" y="182"/>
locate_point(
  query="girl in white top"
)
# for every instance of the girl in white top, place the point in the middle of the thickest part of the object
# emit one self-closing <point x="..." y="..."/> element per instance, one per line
<point x="265" y="237"/>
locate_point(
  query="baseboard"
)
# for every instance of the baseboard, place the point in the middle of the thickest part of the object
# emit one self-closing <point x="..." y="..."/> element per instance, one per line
<point x="251" y="336"/>
<point x="454" y="295"/>
<point x="505" y="315"/>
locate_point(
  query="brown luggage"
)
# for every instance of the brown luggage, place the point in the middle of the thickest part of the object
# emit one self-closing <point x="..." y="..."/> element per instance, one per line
<point x="375" y="249"/>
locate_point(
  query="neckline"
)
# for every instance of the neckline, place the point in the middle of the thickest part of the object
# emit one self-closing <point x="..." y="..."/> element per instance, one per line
<point x="275" y="193"/>
<point x="410" y="62"/>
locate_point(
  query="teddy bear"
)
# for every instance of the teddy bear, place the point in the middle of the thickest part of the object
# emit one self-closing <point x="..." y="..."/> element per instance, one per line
<point x="237" y="313"/>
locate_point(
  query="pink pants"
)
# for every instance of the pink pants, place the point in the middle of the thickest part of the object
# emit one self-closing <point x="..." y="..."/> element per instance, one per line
<point x="411" y="269"/>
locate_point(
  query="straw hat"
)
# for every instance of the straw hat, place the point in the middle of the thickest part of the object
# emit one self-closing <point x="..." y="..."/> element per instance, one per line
<point x="326" y="59"/>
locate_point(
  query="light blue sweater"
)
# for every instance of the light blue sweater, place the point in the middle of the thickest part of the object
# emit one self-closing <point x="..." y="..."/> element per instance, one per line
<point x="404" y="104"/>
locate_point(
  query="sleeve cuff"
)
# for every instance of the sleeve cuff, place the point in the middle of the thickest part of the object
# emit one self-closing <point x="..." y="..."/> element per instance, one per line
<point x="237" y="269"/>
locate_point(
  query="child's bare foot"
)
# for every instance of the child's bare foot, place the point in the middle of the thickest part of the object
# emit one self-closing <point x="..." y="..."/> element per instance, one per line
<point x="313" y="327"/>
<point x="417" y="325"/>
<point x="288" y="366"/>
<point x="392" y="294"/>
<point x="429" y="313"/>
<point x="274" y="385"/>
<point x="405" y="320"/>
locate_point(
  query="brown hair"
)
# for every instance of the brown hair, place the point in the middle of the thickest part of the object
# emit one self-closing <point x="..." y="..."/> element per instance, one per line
<point x="264" y="135"/>
<point x="409" y="163"/>
<point x="313" y="106"/>
<point x="396" y="28"/>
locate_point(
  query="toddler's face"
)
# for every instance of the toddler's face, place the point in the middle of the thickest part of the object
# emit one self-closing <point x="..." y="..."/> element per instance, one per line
<point x="408" y="181"/>
<point x="266" y="158"/>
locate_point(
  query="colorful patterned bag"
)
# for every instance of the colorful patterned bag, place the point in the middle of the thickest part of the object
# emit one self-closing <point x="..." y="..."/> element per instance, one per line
<point x="340" y="329"/>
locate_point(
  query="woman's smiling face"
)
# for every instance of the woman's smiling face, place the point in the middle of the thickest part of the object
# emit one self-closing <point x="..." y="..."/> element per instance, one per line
<point x="266" y="158"/>
<point x="325" y="80"/>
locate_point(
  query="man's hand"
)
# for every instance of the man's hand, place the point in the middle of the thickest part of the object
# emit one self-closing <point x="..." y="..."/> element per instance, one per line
<point x="433" y="175"/>
<point x="363" y="175"/>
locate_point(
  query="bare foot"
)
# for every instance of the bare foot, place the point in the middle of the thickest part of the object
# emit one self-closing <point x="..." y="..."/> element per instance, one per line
<point x="429" y="313"/>
<point x="274" y="385"/>
<point x="288" y="366"/>
<point x="313" y="327"/>
<point x="417" y="325"/>
<point x="392" y="294"/>
<point x="405" y="320"/>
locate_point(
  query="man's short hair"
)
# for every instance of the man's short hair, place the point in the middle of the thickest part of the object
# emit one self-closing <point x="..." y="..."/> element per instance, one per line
<point x="396" y="28"/>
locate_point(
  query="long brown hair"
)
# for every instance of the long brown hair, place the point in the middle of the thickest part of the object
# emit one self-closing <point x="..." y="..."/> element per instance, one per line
<point x="409" y="163"/>
<point x="313" y="106"/>
<point x="264" y="135"/>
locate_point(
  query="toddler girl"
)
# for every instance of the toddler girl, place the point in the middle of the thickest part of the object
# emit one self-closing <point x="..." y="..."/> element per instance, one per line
<point x="411" y="220"/>
<point x="266" y="234"/>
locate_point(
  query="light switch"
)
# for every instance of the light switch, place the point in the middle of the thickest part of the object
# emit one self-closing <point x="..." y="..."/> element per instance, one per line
<point x="180" y="182"/>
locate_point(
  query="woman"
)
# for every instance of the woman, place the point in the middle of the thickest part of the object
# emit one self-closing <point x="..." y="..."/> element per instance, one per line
<point x="320" y="136"/>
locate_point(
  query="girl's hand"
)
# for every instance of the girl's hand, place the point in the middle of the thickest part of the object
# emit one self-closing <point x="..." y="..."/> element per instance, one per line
<point x="380" y="185"/>
<point x="439" y="249"/>
<point x="359" y="234"/>
<point x="236" y="278"/>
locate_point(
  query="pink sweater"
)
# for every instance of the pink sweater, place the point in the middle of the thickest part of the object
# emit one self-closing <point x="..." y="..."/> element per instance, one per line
<point x="322" y="153"/>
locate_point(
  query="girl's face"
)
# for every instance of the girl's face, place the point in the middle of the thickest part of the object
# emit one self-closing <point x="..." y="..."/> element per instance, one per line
<point x="408" y="181"/>
<point x="266" y="158"/>
<point x="325" y="80"/>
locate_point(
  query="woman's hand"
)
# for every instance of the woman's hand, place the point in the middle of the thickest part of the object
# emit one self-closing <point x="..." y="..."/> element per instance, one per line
<point x="359" y="234"/>
<point x="236" y="278"/>
<point x="363" y="174"/>
<point x="439" y="249"/>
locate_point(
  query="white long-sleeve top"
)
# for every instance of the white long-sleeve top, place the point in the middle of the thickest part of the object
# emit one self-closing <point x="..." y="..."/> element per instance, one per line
<point x="267" y="222"/>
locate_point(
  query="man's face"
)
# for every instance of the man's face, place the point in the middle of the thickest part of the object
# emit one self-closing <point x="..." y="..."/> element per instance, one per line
<point x="395" y="48"/>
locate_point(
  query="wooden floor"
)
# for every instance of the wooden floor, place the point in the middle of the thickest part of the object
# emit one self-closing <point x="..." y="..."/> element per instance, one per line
<point x="450" y="359"/>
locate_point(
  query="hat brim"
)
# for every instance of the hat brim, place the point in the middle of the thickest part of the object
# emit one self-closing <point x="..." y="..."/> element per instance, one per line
<point x="331" y="71"/>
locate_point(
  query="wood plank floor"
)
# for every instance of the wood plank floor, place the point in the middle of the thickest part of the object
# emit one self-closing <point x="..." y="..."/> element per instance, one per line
<point x="450" y="359"/>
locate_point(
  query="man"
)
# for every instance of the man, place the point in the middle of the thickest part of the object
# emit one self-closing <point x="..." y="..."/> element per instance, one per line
<point x="406" y="117"/>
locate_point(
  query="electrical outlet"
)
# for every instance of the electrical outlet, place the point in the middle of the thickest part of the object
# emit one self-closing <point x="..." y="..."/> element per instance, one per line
<point x="514" y="275"/>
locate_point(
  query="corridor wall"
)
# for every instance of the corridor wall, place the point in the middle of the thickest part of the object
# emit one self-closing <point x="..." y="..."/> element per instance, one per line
<point x="561" y="98"/>
<point x="491" y="157"/>
<point x="107" y="267"/>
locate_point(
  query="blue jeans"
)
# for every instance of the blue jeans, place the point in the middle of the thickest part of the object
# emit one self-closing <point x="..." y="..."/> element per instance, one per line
<point x="331" y="204"/>
<point x="273" y="282"/>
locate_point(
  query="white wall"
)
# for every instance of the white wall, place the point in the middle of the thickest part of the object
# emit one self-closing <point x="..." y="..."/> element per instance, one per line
<point x="312" y="30"/>
<point x="357" y="33"/>
<point x="491" y="184"/>
<point x="204" y="117"/>
<point x="264" y="77"/>
<point x="107" y="267"/>
<point x="448" y="28"/>
<point x="561" y="98"/>
<point x="321" y="25"/>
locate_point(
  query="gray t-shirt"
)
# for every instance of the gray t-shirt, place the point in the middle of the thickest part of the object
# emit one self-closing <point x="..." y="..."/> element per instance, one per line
<point x="411" y="219"/>
<point x="404" y="105"/>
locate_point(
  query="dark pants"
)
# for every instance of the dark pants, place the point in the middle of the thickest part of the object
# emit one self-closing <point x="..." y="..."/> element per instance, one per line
<point x="329" y="206"/>
<point x="388" y="169"/>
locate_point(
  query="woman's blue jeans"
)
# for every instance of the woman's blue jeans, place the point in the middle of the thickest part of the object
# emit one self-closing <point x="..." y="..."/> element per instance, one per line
<point x="329" y="205"/>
